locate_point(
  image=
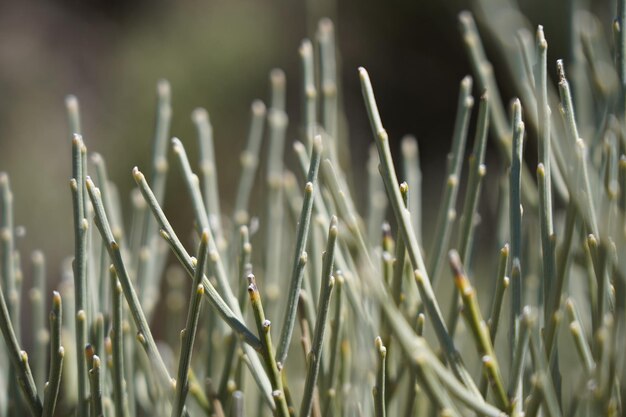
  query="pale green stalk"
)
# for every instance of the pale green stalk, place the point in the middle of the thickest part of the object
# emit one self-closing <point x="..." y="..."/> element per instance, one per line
<point x="580" y="341"/>
<point x="277" y="122"/>
<point x="486" y="81"/>
<point x="188" y="335"/>
<point x="51" y="390"/>
<point x="278" y="89"/>
<point x="40" y="333"/>
<point x="96" y="388"/>
<point x="478" y="329"/>
<point x="310" y="93"/>
<point x="143" y="329"/>
<point x="379" y="388"/>
<point x="73" y="114"/>
<point x="116" y="335"/>
<point x="228" y="309"/>
<point x="527" y="322"/>
<point x="148" y="275"/>
<point x="81" y="225"/>
<point x="314" y="356"/>
<point x="249" y="160"/>
<point x="477" y="171"/>
<point x="301" y="238"/>
<point x="208" y="171"/>
<point x="408" y="234"/>
<point x="447" y="207"/>
<point x="267" y="349"/>
<point x="328" y="83"/>
<point x="413" y="175"/>
<point x="19" y="360"/>
<point x="434" y="389"/>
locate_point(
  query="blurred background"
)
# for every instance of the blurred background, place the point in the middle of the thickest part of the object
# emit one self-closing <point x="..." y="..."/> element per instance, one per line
<point x="217" y="54"/>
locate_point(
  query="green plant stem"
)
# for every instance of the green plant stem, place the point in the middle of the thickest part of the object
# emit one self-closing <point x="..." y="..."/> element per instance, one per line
<point x="310" y="93"/>
<point x="73" y="114"/>
<point x="277" y="121"/>
<point x="478" y="329"/>
<point x="519" y="355"/>
<point x="249" y="162"/>
<point x="413" y="175"/>
<point x="143" y="329"/>
<point x="208" y="171"/>
<point x="576" y="329"/>
<point x="117" y="342"/>
<point x="447" y="207"/>
<point x="408" y="234"/>
<point x="298" y="267"/>
<point x="40" y="333"/>
<point x="314" y="356"/>
<point x="96" y="389"/>
<point x="51" y="391"/>
<point x="477" y="171"/>
<point x="267" y="349"/>
<point x="188" y="335"/>
<point x="486" y="81"/>
<point x="379" y="389"/>
<point x="328" y="81"/>
<point x="77" y="185"/>
<point x="229" y="312"/>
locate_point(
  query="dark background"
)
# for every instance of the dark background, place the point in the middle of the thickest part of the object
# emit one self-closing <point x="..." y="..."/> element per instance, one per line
<point x="217" y="54"/>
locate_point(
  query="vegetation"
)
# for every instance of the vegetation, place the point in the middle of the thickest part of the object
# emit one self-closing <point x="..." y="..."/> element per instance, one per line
<point x="373" y="300"/>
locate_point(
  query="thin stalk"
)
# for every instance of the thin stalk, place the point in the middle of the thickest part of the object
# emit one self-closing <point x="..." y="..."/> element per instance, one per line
<point x="377" y="202"/>
<point x="502" y="283"/>
<point x="51" y="391"/>
<point x="519" y="355"/>
<point x="400" y="256"/>
<point x="335" y="338"/>
<point x="229" y="312"/>
<point x="223" y="307"/>
<point x="208" y="171"/>
<point x="40" y="333"/>
<point x="310" y="93"/>
<point x="477" y="171"/>
<point x="580" y="341"/>
<point x="408" y="234"/>
<point x="486" y="81"/>
<point x="237" y="404"/>
<point x="249" y="161"/>
<point x="278" y="93"/>
<point x="478" y="328"/>
<point x="96" y="388"/>
<point x="413" y="175"/>
<point x="328" y="81"/>
<point x="277" y="121"/>
<point x="188" y="335"/>
<point x="569" y="119"/>
<point x="73" y="114"/>
<point x="379" y="389"/>
<point x="345" y="210"/>
<point x="77" y="185"/>
<point x="267" y="350"/>
<point x="143" y="329"/>
<point x="120" y="399"/>
<point x="434" y="388"/>
<point x="543" y="382"/>
<point x="314" y="356"/>
<point x="447" y="207"/>
<point x="301" y="238"/>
